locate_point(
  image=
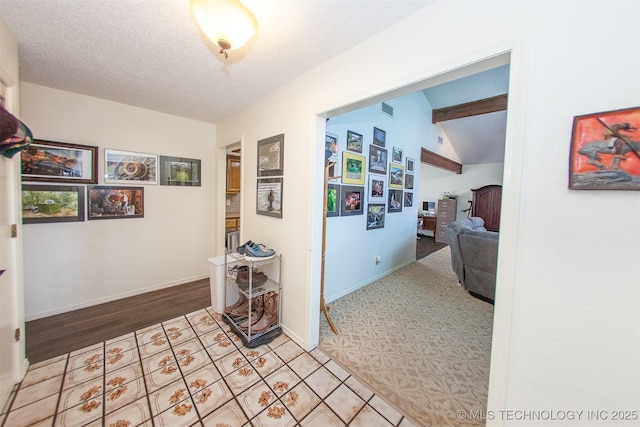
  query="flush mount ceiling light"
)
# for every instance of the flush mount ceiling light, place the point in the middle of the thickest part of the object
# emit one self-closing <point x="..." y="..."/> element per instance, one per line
<point x="227" y="23"/>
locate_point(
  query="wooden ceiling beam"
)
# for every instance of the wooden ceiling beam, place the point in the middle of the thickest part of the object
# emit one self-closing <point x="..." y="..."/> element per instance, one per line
<point x="482" y="106"/>
<point x="434" y="159"/>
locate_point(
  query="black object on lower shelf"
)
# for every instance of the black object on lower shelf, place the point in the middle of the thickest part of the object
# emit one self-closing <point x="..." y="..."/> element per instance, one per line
<point x="256" y="340"/>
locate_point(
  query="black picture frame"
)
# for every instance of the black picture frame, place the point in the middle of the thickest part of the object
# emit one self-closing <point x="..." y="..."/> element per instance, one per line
<point x="378" y="160"/>
<point x="395" y="201"/>
<point x="333" y="200"/>
<point x="375" y="216"/>
<point x="271" y="156"/>
<point x="408" y="199"/>
<point x="354" y="141"/>
<point x="408" y="181"/>
<point x="269" y="197"/>
<point x="180" y="171"/>
<point x="114" y="202"/>
<point x="52" y="203"/>
<point x="351" y="200"/>
<point x="379" y="137"/>
<point x="53" y="161"/>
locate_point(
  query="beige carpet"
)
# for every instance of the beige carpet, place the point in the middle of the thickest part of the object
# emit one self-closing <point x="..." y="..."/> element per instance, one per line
<point x="419" y="339"/>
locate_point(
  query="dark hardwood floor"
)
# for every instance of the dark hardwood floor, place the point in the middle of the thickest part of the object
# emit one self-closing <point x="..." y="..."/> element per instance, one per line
<point x="426" y="246"/>
<point x="62" y="333"/>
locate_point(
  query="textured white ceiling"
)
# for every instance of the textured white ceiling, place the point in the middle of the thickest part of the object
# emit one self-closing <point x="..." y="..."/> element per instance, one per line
<point x="149" y="53"/>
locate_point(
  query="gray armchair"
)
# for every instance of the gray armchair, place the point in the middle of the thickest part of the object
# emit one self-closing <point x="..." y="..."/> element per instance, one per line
<point x="474" y="256"/>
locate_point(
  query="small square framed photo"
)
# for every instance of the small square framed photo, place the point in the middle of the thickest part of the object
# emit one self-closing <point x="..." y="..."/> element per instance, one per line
<point x="375" y="215"/>
<point x="354" y="141"/>
<point x="269" y="197"/>
<point x="395" y="201"/>
<point x="396" y="155"/>
<point x="333" y="200"/>
<point x="379" y="137"/>
<point x="351" y="200"/>
<point x="377" y="188"/>
<point x="410" y="165"/>
<point x="126" y="167"/>
<point x="331" y="143"/>
<point x="408" y="182"/>
<point x="396" y="175"/>
<point x="408" y="199"/>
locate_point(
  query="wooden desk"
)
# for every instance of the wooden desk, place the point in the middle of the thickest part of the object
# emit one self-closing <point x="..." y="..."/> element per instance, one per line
<point x="428" y="223"/>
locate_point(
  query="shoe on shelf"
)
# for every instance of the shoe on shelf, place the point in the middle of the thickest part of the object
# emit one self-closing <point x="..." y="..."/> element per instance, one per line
<point x="257" y="279"/>
<point x="256" y="313"/>
<point x="241" y="300"/>
<point x="270" y="315"/>
<point x="258" y="252"/>
<point x="240" y="249"/>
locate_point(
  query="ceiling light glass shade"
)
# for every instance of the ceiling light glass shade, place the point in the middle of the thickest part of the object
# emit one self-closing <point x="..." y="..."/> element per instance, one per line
<point x="227" y="23"/>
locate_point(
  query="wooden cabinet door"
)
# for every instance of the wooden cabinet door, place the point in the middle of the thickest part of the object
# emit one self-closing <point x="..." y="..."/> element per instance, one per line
<point x="486" y="205"/>
<point x="233" y="174"/>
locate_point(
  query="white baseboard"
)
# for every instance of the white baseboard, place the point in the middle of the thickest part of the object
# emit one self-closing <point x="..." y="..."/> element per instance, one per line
<point x="111" y="298"/>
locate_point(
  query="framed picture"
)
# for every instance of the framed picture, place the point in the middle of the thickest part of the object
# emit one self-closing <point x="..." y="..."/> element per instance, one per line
<point x="396" y="175"/>
<point x="375" y="216"/>
<point x="59" y="162"/>
<point x="130" y="167"/>
<point x="377" y="160"/>
<point x="379" y="137"/>
<point x="269" y="197"/>
<point x="271" y="156"/>
<point x="396" y="155"/>
<point x="408" y="182"/>
<point x="605" y="151"/>
<point x="353" y="167"/>
<point x="52" y="203"/>
<point x="408" y="199"/>
<point x="395" y="201"/>
<point x="410" y="165"/>
<point x="334" y="168"/>
<point x="111" y="202"/>
<point x="179" y="171"/>
<point x="354" y="141"/>
<point x="333" y="200"/>
<point x="331" y="143"/>
<point x="351" y="199"/>
<point x="377" y="188"/>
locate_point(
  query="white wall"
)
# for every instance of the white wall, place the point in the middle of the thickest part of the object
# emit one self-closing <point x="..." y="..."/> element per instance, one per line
<point x="568" y="300"/>
<point x="351" y="249"/>
<point x="435" y="181"/>
<point x="77" y="264"/>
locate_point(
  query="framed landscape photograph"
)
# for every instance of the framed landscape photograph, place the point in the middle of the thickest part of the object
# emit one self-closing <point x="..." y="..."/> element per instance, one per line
<point x="333" y="200"/>
<point x="351" y="200"/>
<point x="396" y="176"/>
<point x="375" y="215"/>
<point x="395" y="201"/>
<point x="354" y="141"/>
<point x="130" y="167"/>
<point x="605" y="151"/>
<point x="396" y="155"/>
<point x="179" y="171"/>
<point x="271" y="156"/>
<point x="331" y="143"/>
<point x="377" y="188"/>
<point x="52" y="203"/>
<point x="377" y="160"/>
<point x="353" y="168"/>
<point x="59" y="162"/>
<point x="379" y="137"/>
<point x="269" y="197"/>
<point x="112" y="202"/>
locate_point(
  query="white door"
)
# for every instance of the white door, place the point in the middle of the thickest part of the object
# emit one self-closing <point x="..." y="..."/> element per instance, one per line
<point x="9" y="348"/>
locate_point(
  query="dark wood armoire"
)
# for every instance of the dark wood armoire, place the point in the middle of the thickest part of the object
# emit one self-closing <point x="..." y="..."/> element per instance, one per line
<point x="486" y="205"/>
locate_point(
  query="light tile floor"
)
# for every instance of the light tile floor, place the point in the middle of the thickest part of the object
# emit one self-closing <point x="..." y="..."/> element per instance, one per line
<point x="193" y="371"/>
